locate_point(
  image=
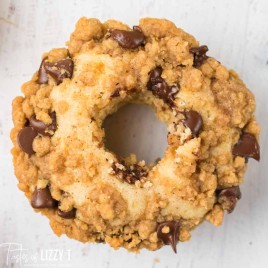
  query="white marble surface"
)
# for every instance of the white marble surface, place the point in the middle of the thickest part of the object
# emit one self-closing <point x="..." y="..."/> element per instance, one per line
<point x="236" y="32"/>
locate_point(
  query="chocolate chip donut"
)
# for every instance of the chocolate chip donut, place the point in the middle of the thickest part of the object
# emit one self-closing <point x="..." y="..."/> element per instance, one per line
<point x="93" y="195"/>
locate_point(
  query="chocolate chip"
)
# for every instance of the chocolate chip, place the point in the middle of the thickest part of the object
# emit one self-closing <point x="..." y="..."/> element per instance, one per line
<point x="171" y="235"/>
<point x="60" y="69"/>
<point x="137" y="28"/>
<point x="42" y="75"/>
<point x="128" y="39"/>
<point x="247" y="146"/>
<point x="25" y="139"/>
<point x="228" y="198"/>
<point x="157" y="160"/>
<point x="115" y="94"/>
<point x="194" y="121"/>
<point x="67" y="214"/>
<point x="42" y="128"/>
<point x="155" y="77"/>
<point x="199" y="55"/>
<point x="131" y="173"/>
<point x="42" y="198"/>
<point x="160" y="88"/>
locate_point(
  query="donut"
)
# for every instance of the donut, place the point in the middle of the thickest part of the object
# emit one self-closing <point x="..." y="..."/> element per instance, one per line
<point x="93" y="195"/>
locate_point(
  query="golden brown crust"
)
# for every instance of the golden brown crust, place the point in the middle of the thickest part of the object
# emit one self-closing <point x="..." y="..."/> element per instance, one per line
<point x="77" y="167"/>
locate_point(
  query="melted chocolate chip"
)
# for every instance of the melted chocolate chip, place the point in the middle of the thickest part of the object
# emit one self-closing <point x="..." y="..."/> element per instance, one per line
<point x="154" y="77"/>
<point x="42" y="198"/>
<point x="199" y="55"/>
<point x="115" y="94"/>
<point x="131" y="173"/>
<point x="42" y="75"/>
<point x="67" y="214"/>
<point x="25" y="139"/>
<point x="228" y="198"/>
<point x="247" y="146"/>
<point x="41" y="127"/>
<point x="194" y="121"/>
<point x="171" y="235"/>
<point x="60" y="69"/>
<point x="157" y="160"/>
<point x="160" y="88"/>
<point x="129" y="39"/>
<point x="100" y="241"/>
<point x="137" y="28"/>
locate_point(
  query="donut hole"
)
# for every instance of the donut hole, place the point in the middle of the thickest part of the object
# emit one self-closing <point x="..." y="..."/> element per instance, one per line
<point x="135" y="129"/>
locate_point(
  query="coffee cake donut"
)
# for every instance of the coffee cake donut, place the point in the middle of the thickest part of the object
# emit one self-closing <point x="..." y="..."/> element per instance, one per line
<point x="91" y="194"/>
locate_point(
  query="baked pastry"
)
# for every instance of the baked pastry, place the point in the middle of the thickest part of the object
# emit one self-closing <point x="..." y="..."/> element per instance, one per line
<point x="88" y="192"/>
